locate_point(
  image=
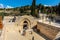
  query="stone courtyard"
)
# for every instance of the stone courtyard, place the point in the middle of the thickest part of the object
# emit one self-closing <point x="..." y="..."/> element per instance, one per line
<point x="27" y="28"/>
<point x="15" y="31"/>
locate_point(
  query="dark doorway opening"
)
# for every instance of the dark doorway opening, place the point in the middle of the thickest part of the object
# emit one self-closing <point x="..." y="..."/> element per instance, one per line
<point x="25" y="26"/>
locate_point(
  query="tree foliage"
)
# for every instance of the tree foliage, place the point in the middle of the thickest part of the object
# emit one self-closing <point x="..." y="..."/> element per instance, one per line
<point x="58" y="9"/>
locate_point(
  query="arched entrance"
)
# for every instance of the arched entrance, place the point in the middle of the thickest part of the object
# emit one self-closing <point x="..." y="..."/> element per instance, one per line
<point x="25" y="25"/>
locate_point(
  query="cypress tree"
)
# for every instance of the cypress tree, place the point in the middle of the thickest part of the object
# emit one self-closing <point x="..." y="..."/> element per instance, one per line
<point x="33" y="8"/>
<point x="34" y="11"/>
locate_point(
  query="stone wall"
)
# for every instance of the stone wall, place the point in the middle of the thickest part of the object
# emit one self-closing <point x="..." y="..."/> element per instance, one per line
<point x="48" y="30"/>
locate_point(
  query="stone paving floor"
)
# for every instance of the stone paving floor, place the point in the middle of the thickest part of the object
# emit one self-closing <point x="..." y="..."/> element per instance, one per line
<point x="10" y="32"/>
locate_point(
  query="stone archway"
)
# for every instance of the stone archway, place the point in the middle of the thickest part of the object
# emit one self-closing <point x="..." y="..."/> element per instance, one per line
<point x="25" y="25"/>
<point x="30" y="21"/>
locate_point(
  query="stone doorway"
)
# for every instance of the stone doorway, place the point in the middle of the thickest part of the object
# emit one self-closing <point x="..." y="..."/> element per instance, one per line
<point x="25" y="26"/>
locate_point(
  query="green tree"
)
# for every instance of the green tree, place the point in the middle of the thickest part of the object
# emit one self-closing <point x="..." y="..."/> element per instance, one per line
<point x="2" y="14"/>
<point x="58" y="9"/>
<point x="33" y="8"/>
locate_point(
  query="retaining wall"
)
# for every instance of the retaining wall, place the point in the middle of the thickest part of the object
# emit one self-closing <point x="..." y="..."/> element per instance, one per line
<point x="48" y="30"/>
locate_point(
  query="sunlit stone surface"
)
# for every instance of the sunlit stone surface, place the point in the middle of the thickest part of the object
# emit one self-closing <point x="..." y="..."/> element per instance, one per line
<point x="15" y="31"/>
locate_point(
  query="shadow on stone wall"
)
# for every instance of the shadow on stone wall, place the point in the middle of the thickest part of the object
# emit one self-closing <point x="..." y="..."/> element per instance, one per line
<point x="46" y="31"/>
<point x="41" y="34"/>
